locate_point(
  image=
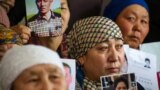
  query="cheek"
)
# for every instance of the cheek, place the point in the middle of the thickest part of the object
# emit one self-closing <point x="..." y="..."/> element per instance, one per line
<point x="48" y="5"/>
<point x="125" y="27"/>
<point x="144" y="33"/>
<point x="54" y="42"/>
<point x="122" y="56"/>
<point x="65" y="18"/>
<point x="125" y="30"/>
<point x="64" y="23"/>
<point x="60" y="81"/>
<point x="97" y="62"/>
<point x="22" y="86"/>
<point x="60" y="85"/>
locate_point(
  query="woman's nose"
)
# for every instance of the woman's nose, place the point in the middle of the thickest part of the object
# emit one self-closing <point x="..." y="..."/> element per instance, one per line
<point x="137" y="26"/>
<point x="47" y="85"/>
<point x="113" y="55"/>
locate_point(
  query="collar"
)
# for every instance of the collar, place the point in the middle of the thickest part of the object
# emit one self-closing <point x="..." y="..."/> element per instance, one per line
<point x="50" y="14"/>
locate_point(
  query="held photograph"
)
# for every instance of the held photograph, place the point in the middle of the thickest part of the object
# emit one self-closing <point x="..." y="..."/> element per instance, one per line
<point x="44" y="17"/>
<point x="119" y="82"/>
<point x="70" y="71"/>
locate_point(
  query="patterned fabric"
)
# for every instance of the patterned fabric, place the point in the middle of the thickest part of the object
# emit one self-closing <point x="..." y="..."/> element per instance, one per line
<point x="89" y="32"/>
<point x="8" y="36"/>
<point x="91" y="85"/>
<point x="44" y="28"/>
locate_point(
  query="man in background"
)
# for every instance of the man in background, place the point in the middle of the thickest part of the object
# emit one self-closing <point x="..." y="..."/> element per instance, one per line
<point x="147" y="63"/>
<point x="67" y="69"/>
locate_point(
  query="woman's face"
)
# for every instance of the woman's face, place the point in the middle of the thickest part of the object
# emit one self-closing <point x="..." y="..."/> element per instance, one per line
<point x="121" y="86"/>
<point x="40" y="77"/>
<point x="65" y="14"/>
<point x="134" y="24"/>
<point x="103" y="59"/>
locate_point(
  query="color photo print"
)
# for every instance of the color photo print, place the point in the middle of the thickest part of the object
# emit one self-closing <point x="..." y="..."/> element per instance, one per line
<point x="119" y="82"/>
<point x="70" y="71"/>
<point x="44" y="17"/>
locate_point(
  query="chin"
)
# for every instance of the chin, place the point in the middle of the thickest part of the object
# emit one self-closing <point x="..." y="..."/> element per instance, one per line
<point x="133" y="45"/>
<point x="112" y="73"/>
<point x="64" y="28"/>
<point x="55" y="42"/>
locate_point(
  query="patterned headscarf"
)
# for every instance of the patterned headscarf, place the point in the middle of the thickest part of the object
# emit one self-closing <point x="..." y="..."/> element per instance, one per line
<point x="113" y="9"/>
<point x="88" y="32"/>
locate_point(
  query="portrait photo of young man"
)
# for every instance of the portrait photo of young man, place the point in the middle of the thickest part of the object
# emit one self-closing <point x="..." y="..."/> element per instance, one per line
<point x="47" y="19"/>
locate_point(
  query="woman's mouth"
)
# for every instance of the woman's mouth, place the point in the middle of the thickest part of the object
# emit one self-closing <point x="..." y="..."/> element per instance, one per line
<point x="113" y="70"/>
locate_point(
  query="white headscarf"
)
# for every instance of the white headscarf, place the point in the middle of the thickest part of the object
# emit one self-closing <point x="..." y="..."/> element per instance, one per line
<point x="19" y="58"/>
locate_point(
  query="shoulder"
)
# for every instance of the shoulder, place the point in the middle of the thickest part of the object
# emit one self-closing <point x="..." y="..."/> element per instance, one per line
<point x="56" y="14"/>
<point x="33" y="18"/>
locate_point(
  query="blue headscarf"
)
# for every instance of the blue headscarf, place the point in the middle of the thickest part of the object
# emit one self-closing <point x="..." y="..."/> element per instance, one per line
<point x="113" y="9"/>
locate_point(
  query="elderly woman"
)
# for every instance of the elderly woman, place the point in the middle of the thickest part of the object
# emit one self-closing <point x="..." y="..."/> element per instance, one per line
<point x="132" y="16"/>
<point x="31" y="68"/>
<point x="97" y="45"/>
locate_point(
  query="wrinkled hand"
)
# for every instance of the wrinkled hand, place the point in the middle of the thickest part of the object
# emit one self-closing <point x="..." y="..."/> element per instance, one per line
<point x="4" y="48"/>
<point x="23" y="31"/>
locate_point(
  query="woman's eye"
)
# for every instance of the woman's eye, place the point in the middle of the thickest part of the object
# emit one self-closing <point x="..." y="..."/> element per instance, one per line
<point x="144" y="22"/>
<point x="132" y="19"/>
<point x="103" y="48"/>
<point x="33" y="80"/>
<point x="62" y="8"/>
<point x="53" y="77"/>
<point x="119" y="46"/>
